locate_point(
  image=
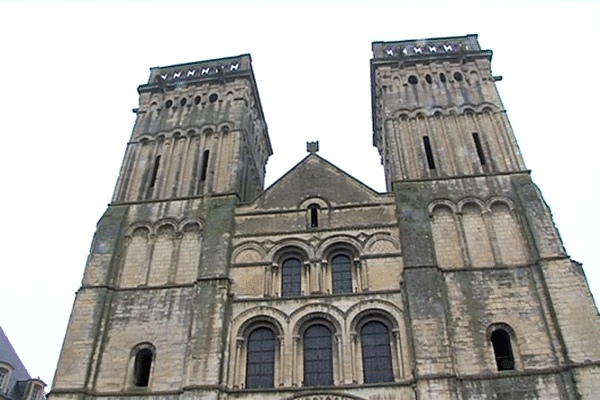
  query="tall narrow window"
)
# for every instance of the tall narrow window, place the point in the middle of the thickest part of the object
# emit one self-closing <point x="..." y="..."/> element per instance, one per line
<point x="313" y="209"/>
<point x="155" y="171"/>
<point x="318" y="359"/>
<point x="428" y="152"/>
<point x="3" y="377"/>
<point x="141" y="370"/>
<point x="479" y="148"/>
<point x="260" y="359"/>
<point x="341" y="271"/>
<point x="35" y="392"/>
<point x="503" y="350"/>
<point x="204" y="166"/>
<point x="376" y="353"/>
<point x="291" y="277"/>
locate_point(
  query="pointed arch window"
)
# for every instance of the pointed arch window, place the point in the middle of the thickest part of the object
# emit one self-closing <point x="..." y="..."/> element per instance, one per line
<point x="341" y="272"/>
<point x="260" y="359"/>
<point x="291" y="277"/>
<point x="318" y="356"/>
<point x="376" y="353"/>
<point x="503" y="353"/>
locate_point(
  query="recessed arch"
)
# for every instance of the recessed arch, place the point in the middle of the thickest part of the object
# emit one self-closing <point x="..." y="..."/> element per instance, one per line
<point x="243" y="251"/>
<point x="443" y="203"/>
<point x="339" y="242"/>
<point x="290" y="246"/>
<point x="473" y="202"/>
<point x="324" y="311"/>
<point x="190" y="225"/>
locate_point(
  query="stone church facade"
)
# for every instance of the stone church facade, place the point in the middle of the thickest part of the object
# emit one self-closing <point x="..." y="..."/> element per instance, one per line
<point x="453" y="284"/>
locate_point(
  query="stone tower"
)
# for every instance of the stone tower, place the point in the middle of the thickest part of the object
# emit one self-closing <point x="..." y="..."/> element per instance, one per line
<point x="452" y="285"/>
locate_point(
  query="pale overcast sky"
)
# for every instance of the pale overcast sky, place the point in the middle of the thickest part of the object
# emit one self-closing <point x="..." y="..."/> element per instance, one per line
<point x="70" y="72"/>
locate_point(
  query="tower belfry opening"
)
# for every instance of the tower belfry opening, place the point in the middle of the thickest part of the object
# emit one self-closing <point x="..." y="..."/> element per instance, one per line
<point x="453" y="284"/>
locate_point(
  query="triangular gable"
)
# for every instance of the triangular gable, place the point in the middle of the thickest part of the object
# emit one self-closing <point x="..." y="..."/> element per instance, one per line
<point x="314" y="177"/>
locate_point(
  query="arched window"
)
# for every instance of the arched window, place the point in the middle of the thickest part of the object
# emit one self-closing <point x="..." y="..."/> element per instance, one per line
<point x="313" y="210"/>
<point x="260" y="360"/>
<point x="376" y="353"/>
<point x="291" y="277"/>
<point x="141" y="367"/>
<point x="341" y="272"/>
<point x="503" y="350"/>
<point x="318" y="356"/>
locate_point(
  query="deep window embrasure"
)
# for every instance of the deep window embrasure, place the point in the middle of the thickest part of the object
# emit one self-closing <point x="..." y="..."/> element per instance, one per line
<point x="503" y="350"/>
<point x="428" y="152"/>
<point x="155" y="171"/>
<point x="142" y="366"/>
<point x="479" y="148"/>
<point x="313" y="209"/>
<point x="204" y="165"/>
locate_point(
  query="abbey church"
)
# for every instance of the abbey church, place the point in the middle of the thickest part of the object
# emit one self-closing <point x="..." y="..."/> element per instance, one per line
<point x="452" y="285"/>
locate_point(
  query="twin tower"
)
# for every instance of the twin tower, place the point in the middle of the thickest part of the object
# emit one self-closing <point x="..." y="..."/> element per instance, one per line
<point x="454" y="284"/>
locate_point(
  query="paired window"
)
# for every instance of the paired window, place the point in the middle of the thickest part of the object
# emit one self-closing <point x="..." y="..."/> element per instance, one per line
<point x="336" y="274"/>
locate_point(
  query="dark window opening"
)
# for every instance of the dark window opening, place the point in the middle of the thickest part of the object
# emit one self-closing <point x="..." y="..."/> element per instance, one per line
<point x="291" y="277"/>
<point x="143" y="362"/>
<point x="428" y="78"/>
<point x="318" y="359"/>
<point x="479" y="148"/>
<point x="197" y="100"/>
<point x="413" y="80"/>
<point x="314" y="215"/>
<point x="204" y="165"/>
<point x="503" y="350"/>
<point x="458" y="76"/>
<point x="169" y="103"/>
<point x="428" y="152"/>
<point x="260" y="360"/>
<point x="341" y="271"/>
<point x="443" y="77"/>
<point x="182" y="102"/>
<point x="155" y="171"/>
<point x="213" y="97"/>
<point x="376" y="353"/>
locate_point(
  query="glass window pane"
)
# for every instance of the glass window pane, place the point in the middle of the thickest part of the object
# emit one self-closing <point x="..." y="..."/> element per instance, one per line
<point x="291" y="277"/>
<point x="341" y="270"/>
<point x="318" y="360"/>
<point x="376" y="352"/>
<point x="260" y="358"/>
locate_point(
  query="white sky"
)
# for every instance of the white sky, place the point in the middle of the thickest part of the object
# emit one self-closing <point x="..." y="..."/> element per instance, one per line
<point x="70" y="72"/>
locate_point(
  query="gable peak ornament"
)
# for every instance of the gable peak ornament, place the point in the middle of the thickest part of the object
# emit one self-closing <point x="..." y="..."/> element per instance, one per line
<point x="312" y="147"/>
